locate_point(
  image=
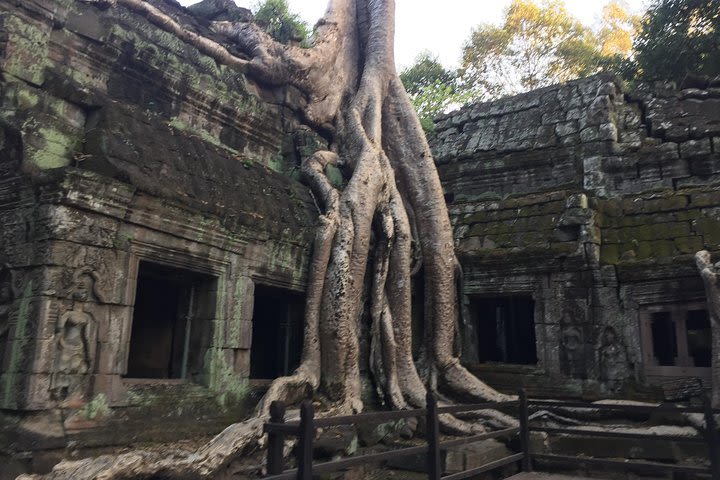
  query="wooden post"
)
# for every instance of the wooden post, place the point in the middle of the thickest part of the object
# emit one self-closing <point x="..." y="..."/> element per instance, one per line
<point x="525" y="431"/>
<point x="711" y="434"/>
<point x="276" y="440"/>
<point x="305" y="441"/>
<point x="433" y="438"/>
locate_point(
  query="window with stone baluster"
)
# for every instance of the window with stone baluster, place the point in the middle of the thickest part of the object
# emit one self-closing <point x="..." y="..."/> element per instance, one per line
<point x="676" y="340"/>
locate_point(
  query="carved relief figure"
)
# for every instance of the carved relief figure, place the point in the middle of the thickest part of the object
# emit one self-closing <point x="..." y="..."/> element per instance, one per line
<point x="75" y="335"/>
<point x="709" y="273"/>
<point x="613" y="359"/>
<point x="573" y="351"/>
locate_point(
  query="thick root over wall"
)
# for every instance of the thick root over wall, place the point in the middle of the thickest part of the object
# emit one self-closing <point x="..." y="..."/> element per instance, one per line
<point x="390" y="214"/>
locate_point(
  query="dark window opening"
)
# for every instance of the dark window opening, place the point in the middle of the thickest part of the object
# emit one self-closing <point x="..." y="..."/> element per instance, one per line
<point x="677" y="340"/>
<point x="506" y="329"/>
<point x="172" y="319"/>
<point x="699" y="338"/>
<point x="664" y="338"/>
<point x="277" y="332"/>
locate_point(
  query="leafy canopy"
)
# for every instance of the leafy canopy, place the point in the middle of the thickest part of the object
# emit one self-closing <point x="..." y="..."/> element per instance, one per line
<point x="431" y="87"/>
<point x="617" y="30"/>
<point x="679" y="37"/>
<point x="275" y="18"/>
<point x="542" y="44"/>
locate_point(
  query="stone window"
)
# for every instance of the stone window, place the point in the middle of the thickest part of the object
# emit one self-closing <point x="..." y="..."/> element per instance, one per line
<point x="505" y="329"/>
<point x="676" y="340"/>
<point x="171" y="325"/>
<point x="277" y="332"/>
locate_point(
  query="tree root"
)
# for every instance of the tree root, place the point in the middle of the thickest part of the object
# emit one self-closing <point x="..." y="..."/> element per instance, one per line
<point x="205" y="463"/>
<point x="392" y="195"/>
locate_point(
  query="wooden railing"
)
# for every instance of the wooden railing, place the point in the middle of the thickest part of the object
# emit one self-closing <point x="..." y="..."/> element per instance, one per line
<point x="278" y="429"/>
<point x="710" y="438"/>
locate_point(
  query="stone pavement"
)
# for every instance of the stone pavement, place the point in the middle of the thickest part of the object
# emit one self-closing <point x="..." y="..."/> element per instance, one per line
<point x="550" y="476"/>
<point x="544" y="476"/>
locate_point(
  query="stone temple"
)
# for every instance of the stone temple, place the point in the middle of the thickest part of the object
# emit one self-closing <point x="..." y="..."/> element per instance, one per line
<point x="154" y="238"/>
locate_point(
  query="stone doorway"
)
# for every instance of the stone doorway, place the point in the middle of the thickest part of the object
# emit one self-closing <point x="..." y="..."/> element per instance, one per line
<point x="277" y="332"/>
<point x="505" y="329"/>
<point x="171" y="324"/>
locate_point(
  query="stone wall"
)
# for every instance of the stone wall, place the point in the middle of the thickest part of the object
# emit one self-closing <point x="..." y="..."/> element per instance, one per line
<point x="120" y="144"/>
<point x="593" y="201"/>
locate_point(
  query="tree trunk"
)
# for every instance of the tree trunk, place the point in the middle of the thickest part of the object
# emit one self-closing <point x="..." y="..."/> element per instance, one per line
<point x="380" y="146"/>
<point x="709" y="274"/>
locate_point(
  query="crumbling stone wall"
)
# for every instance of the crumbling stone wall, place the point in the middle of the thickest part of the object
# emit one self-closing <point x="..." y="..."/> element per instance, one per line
<point x="119" y="143"/>
<point x="593" y="201"/>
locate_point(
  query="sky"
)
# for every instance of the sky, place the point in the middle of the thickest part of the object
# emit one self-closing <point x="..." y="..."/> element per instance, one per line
<point x="442" y="27"/>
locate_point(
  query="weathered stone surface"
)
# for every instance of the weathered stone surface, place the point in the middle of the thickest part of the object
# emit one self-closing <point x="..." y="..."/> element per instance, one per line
<point x="336" y="441"/>
<point x="220" y="10"/>
<point x="474" y="455"/>
<point x="649" y="186"/>
<point x="121" y="145"/>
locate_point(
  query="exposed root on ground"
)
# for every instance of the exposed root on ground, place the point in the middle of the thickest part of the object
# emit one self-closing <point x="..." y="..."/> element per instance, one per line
<point x="391" y="200"/>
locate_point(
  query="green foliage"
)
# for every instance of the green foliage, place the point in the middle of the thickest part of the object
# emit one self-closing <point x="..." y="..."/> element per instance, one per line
<point x="432" y="88"/>
<point x="97" y="407"/>
<point x="542" y="44"/>
<point x="427" y="70"/>
<point x="617" y="30"/>
<point x="679" y="37"/>
<point x="275" y="18"/>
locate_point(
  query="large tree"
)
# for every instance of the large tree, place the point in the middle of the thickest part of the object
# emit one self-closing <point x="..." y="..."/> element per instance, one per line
<point x="432" y="88"/>
<point x="678" y="37"/>
<point x="392" y="201"/>
<point x="537" y="45"/>
<point x="541" y="44"/>
<point x="275" y="17"/>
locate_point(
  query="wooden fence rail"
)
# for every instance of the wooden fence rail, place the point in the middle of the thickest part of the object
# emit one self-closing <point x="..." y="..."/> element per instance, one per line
<point x="278" y="430"/>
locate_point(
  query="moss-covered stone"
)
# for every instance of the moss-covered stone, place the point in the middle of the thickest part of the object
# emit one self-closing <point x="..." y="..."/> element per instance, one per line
<point x="705" y="199"/>
<point x="655" y="249"/>
<point x="662" y="204"/>
<point x="542" y="223"/>
<point x="688" y="244"/>
<point x="50" y="148"/>
<point x="610" y="236"/>
<point x="688" y="215"/>
<point x="609" y="254"/>
<point x="611" y="207"/>
<point x="709" y="228"/>
<point x="26" y="51"/>
<point x="677" y="202"/>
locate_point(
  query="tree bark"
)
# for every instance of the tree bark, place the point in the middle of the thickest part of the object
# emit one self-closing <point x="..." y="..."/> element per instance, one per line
<point x="393" y="197"/>
<point x="709" y="274"/>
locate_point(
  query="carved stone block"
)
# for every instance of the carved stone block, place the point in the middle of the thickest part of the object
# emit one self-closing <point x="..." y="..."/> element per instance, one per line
<point x="112" y="387"/>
